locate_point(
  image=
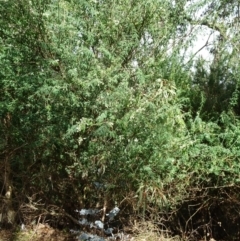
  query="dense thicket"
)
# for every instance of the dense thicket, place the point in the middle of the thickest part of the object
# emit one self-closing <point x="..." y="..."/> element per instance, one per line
<point x="100" y="104"/>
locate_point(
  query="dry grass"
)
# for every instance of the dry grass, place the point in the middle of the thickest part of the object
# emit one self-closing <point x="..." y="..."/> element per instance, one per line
<point x="40" y="232"/>
<point x="148" y="231"/>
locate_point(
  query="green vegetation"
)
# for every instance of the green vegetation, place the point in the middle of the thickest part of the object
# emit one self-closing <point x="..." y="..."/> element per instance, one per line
<point x="100" y="92"/>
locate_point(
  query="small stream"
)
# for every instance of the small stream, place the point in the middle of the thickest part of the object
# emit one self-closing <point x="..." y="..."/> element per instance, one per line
<point x="91" y="218"/>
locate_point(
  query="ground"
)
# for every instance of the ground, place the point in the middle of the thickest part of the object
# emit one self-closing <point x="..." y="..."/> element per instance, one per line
<point x="43" y="232"/>
<point x="40" y="233"/>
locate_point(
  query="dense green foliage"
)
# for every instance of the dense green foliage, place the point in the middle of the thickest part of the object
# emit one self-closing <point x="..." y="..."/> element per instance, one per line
<point x="100" y="93"/>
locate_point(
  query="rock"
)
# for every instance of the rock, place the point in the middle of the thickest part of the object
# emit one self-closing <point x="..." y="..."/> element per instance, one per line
<point x="90" y="237"/>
